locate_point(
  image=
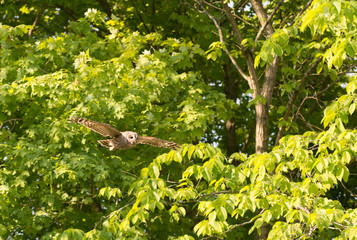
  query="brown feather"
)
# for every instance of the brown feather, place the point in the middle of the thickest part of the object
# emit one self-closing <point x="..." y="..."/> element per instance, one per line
<point x="121" y="140"/>
<point x="108" y="143"/>
<point x="158" y="142"/>
<point x="103" y="129"/>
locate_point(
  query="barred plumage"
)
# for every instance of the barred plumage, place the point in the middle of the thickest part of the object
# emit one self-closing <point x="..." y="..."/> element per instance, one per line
<point x="121" y="140"/>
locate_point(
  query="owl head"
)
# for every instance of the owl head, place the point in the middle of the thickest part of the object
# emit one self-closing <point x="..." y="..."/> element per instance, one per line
<point x="131" y="137"/>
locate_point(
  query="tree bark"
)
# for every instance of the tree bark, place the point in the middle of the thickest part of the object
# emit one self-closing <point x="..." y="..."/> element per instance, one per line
<point x="230" y="88"/>
<point x="262" y="110"/>
<point x="231" y="136"/>
<point x="261" y="127"/>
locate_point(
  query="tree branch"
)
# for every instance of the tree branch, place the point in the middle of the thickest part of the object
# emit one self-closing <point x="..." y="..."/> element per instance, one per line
<point x="130" y="202"/>
<point x="316" y="97"/>
<point x="129" y="173"/>
<point x="242" y="224"/>
<point x="293" y="98"/>
<point x="10" y="120"/>
<point x="36" y="20"/>
<point x="268" y="21"/>
<point x="242" y="19"/>
<point x="217" y="193"/>
<point x="238" y="225"/>
<point x="352" y="193"/>
<point x="141" y="19"/>
<point x="252" y="79"/>
<point x="221" y="39"/>
<point x="340" y="225"/>
<point x="302" y="11"/>
<point x="331" y="84"/>
<point x="262" y="16"/>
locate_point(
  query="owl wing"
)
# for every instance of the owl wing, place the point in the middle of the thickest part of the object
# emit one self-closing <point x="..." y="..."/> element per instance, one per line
<point x="104" y="129"/>
<point x="158" y="142"/>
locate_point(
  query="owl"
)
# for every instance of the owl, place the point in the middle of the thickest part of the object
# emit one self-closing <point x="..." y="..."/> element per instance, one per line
<point x="121" y="140"/>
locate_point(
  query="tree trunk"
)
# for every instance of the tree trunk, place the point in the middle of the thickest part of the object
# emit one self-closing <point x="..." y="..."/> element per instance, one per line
<point x="261" y="125"/>
<point x="262" y="120"/>
<point x="262" y="110"/>
<point x="231" y="136"/>
<point x="230" y="88"/>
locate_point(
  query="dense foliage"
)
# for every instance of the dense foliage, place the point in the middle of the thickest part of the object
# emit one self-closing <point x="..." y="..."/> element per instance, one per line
<point x="261" y="95"/>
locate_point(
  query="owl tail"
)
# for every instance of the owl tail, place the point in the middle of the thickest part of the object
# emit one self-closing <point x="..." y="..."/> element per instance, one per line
<point x="108" y="143"/>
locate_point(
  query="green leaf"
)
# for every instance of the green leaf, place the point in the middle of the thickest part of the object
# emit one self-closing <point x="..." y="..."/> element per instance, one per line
<point x="3" y="230"/>
<point x="256" y="61"/>
<point x="266" y="216"/>
<point x="351" y="87"/>
<point x="202" y="228"/>
<point x="340" y="125"/>
<point x="313" y="189"/>
<point x="278" y="49"/>
<point x="155" y="171"/>
<point x="191" y="150"/>
<point x="206" y="173"/>
<point x="221" y="213"/>
<point x="352" y="108"/>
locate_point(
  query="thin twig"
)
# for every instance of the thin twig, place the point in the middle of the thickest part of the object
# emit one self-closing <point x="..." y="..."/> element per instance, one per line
<point x="112" y="213"/>
<point x="217" y="193"/>
<point x="252" y="79"/>
<point x="221" y="39"/>
<point x="242" y="19"/>
<point x="140" y="17"/>
<point x="318" y="95"/>
<point x="353" y="194"/>
<point x="340" y="225"/>
<point x="11" y="120"/>
<point x="211" y="5"/>
<point x="245" y="21"/>
<point x="293" y="98"/>
<point x="302" y="104"/>
<point x="302" y="11"/>
<point x="309" y="125"/>
<point x="330" y="85"/>
<point x="312" y="230"/>
<point x="238" y="225"/>
<point x="129" y="173"/>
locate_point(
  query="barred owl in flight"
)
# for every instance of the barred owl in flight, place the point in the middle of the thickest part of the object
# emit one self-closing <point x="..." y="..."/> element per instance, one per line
<point x="121" y="140"/>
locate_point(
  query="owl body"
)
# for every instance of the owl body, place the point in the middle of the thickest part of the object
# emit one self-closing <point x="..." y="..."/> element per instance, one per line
<point x="127" y="140"/>
<point x="121" y="140"/>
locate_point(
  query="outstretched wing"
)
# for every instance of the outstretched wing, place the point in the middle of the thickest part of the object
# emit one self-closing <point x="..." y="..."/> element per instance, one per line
<point x="158" y="142"/>
<point x="104" y="129"/>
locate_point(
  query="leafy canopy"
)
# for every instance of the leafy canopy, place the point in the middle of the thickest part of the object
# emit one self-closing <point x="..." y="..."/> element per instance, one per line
<point x="57" y="183"/>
